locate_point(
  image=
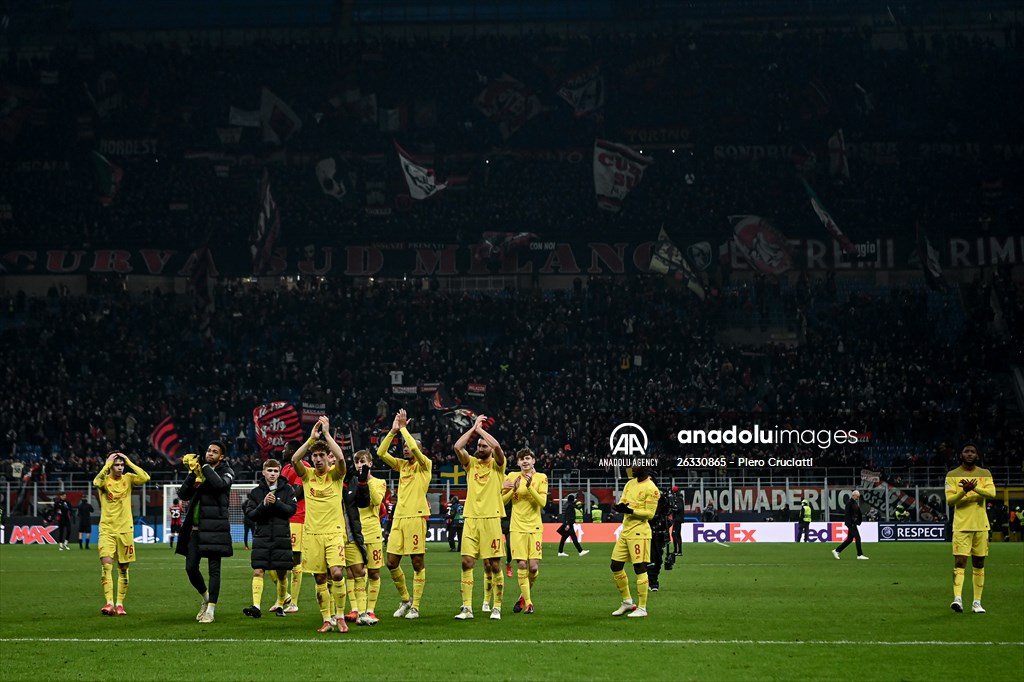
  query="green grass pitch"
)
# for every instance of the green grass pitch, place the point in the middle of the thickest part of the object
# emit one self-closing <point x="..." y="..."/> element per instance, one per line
<point x="736" y="612"/>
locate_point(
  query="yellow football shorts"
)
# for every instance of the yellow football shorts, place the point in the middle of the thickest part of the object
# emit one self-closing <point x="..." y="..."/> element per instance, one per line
<point x="296" y="529"/>
<point x="374" y="554"/>
<point x="483" y="539"/>
<point x="632" y="550"/>
<point x="118" y="546"/>
<point x="408" y="536"/>
<point x="322" y="552"/>
<point x="526" y="546"/>
<point x="970" y="543"/>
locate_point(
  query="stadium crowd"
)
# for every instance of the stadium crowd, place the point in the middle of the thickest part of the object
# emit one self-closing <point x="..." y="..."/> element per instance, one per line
<point x="85" y="374"/>
<point x="559" y="369"/>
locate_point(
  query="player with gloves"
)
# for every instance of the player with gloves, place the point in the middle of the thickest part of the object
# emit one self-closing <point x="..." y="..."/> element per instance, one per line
<point x="206" y="531"/>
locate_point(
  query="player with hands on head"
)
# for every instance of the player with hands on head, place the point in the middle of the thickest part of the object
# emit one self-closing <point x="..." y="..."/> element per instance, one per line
<point x="323" y="549"/>
<point x="482" y="537"/>
<point x="117" y="536"/>
<point x="409" y="521"/>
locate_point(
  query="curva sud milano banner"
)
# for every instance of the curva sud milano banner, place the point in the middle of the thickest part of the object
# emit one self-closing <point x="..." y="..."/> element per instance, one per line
<point x="422" y="259"/>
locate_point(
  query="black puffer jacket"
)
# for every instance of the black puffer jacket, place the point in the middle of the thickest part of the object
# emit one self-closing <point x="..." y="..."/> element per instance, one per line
<point x="272" y="537"/>
<point x="213" y="496"/>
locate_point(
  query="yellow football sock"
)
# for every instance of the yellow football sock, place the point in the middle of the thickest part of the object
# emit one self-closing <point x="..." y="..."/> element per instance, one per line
<point x="296" y="584"/>
<point x="282" y="588"/>
<point x="350" y="592"/>
<point x="419" y="581"/>
<point x="107" y="581"/>
<point x="324" y="600"/>
<point x="979" y="583"/>
<point x="488" y="587"/>
<point x="340" y="592"/>
<point x="257" y="590"/>
<point x="372" y="590"/>
<point x="499" y="588"/>
<point x="958" y="582"/>
<point x="533" y="577"/>
<point x="642" y="585"/>
<point x="122" y="585"/>
<point x="523" y="576"/>
<point x="360" y="594"/>
<point x="467" y="588"/>
<point x="398" y="575"/>
<point x="622" y="582"/>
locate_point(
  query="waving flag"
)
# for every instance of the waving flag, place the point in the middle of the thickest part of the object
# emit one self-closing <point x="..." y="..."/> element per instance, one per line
<point x="108" y="179"/>
<point x="278" y="120"/>
<point x="506" y="103"/>
<point x="202" y="282"/>
<point x="667" y="259"/>
<point x="421" y="180"/>
<point x="584" y="90"/>
<point x="929" y="259"/>
<point x="267" y="228"/>
<point x="617" y="170"/>
<point x="166" y="440"/>
<point x="330" y="182"/>
<point x="443" y="400"/>
<point x="837" y="161"/>
<point x="764" y="247"/>
<point x="826" y="219"/>
<point x="276" y="424"/>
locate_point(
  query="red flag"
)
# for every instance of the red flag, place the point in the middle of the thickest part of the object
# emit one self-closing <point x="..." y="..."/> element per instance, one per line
<point x="276" y="424"/>
<point x="166" y="440"/>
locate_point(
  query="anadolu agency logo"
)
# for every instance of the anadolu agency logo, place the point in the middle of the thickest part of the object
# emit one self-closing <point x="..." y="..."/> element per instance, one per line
<point x="627" y="446"/>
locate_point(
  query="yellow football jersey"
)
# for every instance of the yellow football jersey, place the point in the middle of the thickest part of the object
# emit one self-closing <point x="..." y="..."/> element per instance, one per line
<point x="116" y="504"/>
<point x="969" y="513"/>
<point x="643" y="500"/>
<point x="369" y="517"/>
<point x="323" y="503"/>
<point x="413" y="478"/>
<point x="483" y="498"/>
<point x="525" y="505"/>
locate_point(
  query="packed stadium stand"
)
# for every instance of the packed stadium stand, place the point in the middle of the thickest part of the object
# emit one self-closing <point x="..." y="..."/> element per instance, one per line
<point x="195" y="223"/>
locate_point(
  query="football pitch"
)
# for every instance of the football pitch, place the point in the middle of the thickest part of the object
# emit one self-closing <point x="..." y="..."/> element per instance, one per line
<point x="725" y="612"/>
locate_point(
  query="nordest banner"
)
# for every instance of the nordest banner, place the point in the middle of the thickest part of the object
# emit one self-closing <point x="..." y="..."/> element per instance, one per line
<point x="911" y="532"/>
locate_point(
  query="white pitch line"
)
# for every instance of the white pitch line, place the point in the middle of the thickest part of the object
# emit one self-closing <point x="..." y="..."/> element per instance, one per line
<point x="516" y="642"/>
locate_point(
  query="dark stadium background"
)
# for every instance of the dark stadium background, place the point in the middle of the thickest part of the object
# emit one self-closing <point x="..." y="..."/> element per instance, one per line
<point x="136" y="316"/>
